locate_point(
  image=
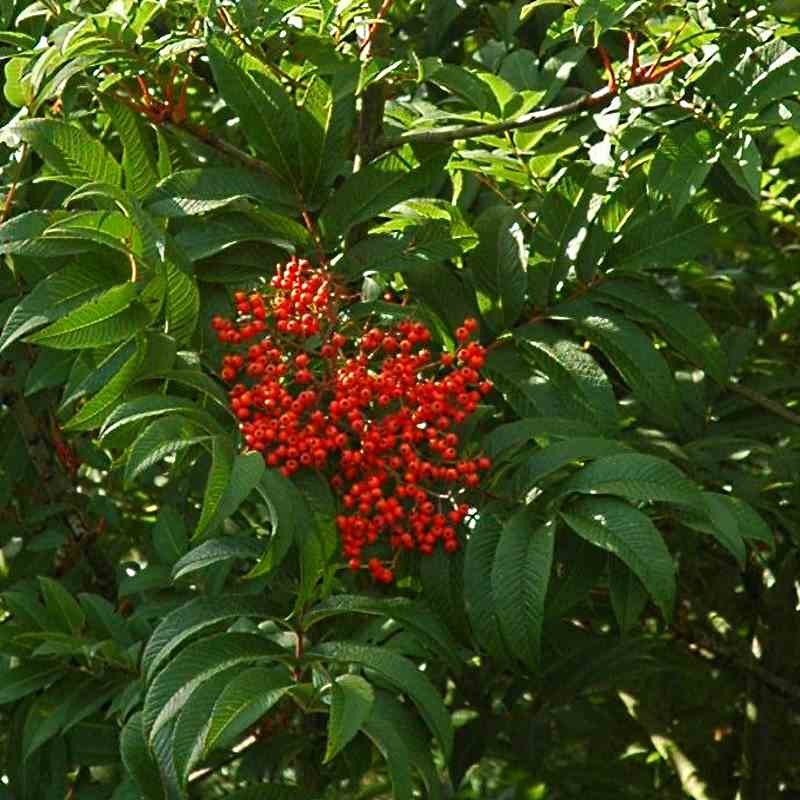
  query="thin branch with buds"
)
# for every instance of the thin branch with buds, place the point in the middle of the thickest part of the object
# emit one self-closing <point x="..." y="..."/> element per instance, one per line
<point x="595" y="100"/>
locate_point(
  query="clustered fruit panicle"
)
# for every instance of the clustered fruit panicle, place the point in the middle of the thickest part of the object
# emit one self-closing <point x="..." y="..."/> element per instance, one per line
<point x="375" y="410"/>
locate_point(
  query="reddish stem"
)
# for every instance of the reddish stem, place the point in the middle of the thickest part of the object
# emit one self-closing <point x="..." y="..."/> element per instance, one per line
<point x="314" y="233"/>
<point x="612" y="79"/>
<point x="382" y="12"/>
<point x="655" y="75"/>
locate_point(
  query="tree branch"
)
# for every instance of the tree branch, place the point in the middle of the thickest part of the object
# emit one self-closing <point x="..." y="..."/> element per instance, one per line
<point x="597" y="99"/>
<point x="765" y="402"/>
<point x="221" y="146"/>
<point x="8" y="203"/>
<point x="688" y="775"/>
<point x="58" y="485"/>
<point x="719" y="653"/>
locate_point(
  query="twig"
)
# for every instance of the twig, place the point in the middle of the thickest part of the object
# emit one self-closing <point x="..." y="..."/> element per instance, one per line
<point x="57" y="485"/>
<point x="12" y="190"/>
<point x="314" y="233"/>
<point x="451" y="133"/>
<point x="134" y="268"/>
<point x="667" y="47"/>
<point x="382" y="12"/>
<point x="718" y="653"/>
<point x="238" y="751"/>
<point x="691" y="782"/>
<point x="489" y="184"/>
<point x="765" y="402"/>
<point x="241" y="40"/>
<point x="612" y="78"/>
<point x="223" y="147"/>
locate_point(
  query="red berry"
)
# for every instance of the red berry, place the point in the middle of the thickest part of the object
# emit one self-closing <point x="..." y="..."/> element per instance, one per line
<point x="377" y="422"/>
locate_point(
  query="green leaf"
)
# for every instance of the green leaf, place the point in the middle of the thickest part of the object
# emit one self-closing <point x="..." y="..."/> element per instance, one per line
<point x="391" y="712"/>
<point x="462" y="82"/>
<point x="414" y="616"/>
<point x="442" y="576"/>
<point x="267" y="114"/>
<point x="16" y="89"/>
<point x="90" y="375"/>
<point x="376" y="188"/>
<point x="326" y="121"/>
<point x="574" y="374"/>
<point x="107" y="228"/>
<point x="395" y="751"/>
<point x="351" y="703"/>
<point x="636" y="477"/>
<point x="556" y="456"/>
<point x="635" y="357"/>
<point x="193" y="722"/>
<point x="763" y="75"/>
<point x="403" y="674"/>
<point x="481" y="609"/>
<point x="138" y="158"/>
<point x="521" y="69"/>
<point x="579" y="569"/>
<point x="219" y="476"/>
<point x="153" y="577"/>
<point x="170" y="538"/>
<point x="166" y="435"/>
<point x="62" y="606"/>
<point x="600" y="15"/>
<point x="112" y="317"/>
<point x="562" y="235"/>
<point x="270" y="791"/>
<point x="520" y="575"/>
<point x="283" y="499"/>
<point x="51" y="368"/>
<point x="523" y="389"/>
<point x="203" y="240"/>
<point x="93" y="412"/>
<point x="499" y="263"/>
<point x="196" y="664"/>
<point x="60" y="709"/>
<point x="628" y="594"/>
<point x="23" y="235"/>
<point x="677" y="322"/>
<point x="418" y="248"/>
<point x="199" y="382"/>
<point x="522" y="431"/>
<point x="214" y="550"/>
<point x="630" y="535"/>
<point x="161" y="748"/>
<point x="25" y="679"/>
<point x="138" y="759"/>
<point x="182" y="304"/>
<point x="742" y="159"/>
<point x="198" y="191"/>
<point x="195" y="616"/>
<point x="53" y="297"/>
<point x="245" y="700"/>
<point x="682" y="162"/>
<point x="154" y="405"/>
<point x="658" y="241"/>
<point x="724" y="525"/>
<point x="751" y="523"/>
<point x="147" y="240"/>
<point x="314" y="121"/>
<point x="102" y="618"/>
<point x="74" y="155"/>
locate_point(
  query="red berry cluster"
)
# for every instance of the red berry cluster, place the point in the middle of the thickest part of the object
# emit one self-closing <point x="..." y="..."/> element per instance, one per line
<point x="375" y="409"/>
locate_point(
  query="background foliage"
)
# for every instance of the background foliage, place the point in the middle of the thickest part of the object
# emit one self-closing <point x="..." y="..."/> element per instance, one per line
<point x="621" y="619"/>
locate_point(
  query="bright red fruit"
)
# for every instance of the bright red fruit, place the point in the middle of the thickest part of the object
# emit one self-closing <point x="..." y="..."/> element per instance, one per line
<point x="373" y="409"/>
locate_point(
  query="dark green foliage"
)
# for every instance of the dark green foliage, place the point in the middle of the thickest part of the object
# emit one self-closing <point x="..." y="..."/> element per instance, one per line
<point x="176" y="620"/>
